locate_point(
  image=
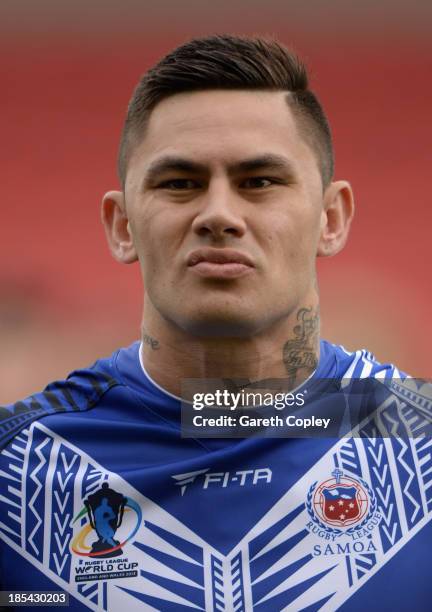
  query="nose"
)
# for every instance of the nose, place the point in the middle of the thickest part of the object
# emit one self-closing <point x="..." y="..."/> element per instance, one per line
<point x="220" y="215"/>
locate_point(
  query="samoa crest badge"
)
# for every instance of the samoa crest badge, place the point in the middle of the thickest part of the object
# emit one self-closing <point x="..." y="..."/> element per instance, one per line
<point x="341" y="505"/>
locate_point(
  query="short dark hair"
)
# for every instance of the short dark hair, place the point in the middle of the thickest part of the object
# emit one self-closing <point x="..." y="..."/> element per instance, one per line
<point x="230" y="62"/>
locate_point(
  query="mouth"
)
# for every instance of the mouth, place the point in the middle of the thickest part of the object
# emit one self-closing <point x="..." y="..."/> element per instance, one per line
<point x="219" y="263"/>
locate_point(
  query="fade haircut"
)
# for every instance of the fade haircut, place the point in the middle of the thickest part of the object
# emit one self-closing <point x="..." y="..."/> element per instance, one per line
<point x="230" y="63"/>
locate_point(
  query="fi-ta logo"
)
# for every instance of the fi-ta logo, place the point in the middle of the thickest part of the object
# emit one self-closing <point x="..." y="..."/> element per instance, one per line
<point x="205" y="479"/>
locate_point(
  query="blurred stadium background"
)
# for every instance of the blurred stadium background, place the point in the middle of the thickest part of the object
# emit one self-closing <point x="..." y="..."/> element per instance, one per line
<point x="68" y="72"/>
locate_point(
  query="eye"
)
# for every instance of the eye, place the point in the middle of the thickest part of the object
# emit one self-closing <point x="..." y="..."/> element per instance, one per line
<point x="179" y="184"/>
<point x="257" y="182"/>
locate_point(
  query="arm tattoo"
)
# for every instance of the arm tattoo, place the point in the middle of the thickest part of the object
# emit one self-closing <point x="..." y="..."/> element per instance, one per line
<point x="301" y="352"/>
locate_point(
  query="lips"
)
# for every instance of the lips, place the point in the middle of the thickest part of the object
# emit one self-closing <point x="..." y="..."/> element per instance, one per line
<point x="218" y="256"/>
<point x="219" y="263"/>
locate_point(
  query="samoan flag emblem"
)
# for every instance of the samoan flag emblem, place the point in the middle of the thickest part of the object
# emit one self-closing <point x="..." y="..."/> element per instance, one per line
<point x="340" y="504"/>
<point x="341" y="501"/>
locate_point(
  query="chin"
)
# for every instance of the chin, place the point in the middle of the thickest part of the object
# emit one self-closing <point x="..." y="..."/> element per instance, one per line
<point x="220" y="327"/>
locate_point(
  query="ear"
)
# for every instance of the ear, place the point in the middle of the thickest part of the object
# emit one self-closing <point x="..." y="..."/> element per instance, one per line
<point x="337" y="214"/>
<point x="117" y="229"/>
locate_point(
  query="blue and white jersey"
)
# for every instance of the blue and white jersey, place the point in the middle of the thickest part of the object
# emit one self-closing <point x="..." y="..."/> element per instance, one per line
<point x="101" y="497"/>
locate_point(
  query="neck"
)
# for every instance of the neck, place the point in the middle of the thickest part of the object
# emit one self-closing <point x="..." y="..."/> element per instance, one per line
<point x="289" y="351"/>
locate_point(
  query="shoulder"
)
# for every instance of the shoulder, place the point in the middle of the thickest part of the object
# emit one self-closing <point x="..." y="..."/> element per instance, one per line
<point x="399" y="398"/>
<point x="360" y="363"/>
<point x="80" y="391"/>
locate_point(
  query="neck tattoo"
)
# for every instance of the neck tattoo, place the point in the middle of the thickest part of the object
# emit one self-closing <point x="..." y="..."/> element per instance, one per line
<point x="300" y="352"/>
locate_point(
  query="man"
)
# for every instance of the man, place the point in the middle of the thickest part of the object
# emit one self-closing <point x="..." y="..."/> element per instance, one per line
<point x="227" y="199"/>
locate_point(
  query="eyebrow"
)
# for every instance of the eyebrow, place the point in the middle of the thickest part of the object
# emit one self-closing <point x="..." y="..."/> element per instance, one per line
<point x="267" y="160"/>
<point x="171" y="163"/>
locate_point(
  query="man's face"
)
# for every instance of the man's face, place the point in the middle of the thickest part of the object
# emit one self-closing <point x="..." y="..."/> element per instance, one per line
<point x="225" y="206"/>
